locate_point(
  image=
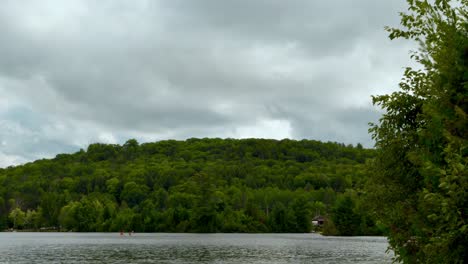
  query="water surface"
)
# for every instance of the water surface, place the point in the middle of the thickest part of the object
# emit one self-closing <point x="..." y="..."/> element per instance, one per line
<point x="189" y="248"/>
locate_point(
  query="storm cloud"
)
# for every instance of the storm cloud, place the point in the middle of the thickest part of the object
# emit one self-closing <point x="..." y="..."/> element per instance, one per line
<point x="78" y="72"/>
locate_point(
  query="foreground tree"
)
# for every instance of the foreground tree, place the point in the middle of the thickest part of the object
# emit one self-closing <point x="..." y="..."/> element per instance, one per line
<point x="421" y="182"/>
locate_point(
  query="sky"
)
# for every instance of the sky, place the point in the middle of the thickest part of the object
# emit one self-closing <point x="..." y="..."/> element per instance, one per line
<point x="79" y="72"/>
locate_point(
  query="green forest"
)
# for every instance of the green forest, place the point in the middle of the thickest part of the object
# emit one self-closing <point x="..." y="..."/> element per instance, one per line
<point x="411" y="187"/>
<point x="196" y="185"/>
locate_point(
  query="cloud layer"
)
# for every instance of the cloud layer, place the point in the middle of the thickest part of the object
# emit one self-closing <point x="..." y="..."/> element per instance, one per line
<point x="77" y="72"/>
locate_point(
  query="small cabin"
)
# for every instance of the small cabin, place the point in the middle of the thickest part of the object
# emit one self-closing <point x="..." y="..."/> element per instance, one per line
<point x="318" y="220"/>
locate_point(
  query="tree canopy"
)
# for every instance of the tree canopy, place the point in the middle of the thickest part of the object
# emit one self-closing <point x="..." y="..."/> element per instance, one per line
<point x="420" y="183"/>
<point x="196" y="185"/>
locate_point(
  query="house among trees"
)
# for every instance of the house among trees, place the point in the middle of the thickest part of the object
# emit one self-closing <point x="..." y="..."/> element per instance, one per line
<point x="318" y="220"/>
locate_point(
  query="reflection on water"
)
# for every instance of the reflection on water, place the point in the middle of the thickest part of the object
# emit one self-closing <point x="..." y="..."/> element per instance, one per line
<point x="189" y="248"/>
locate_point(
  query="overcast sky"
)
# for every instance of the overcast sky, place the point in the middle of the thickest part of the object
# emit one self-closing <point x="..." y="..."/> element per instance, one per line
<point x="78" y="72"/>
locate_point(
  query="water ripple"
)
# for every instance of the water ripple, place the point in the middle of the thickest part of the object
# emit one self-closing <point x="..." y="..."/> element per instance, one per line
<point x="189" y="248"/>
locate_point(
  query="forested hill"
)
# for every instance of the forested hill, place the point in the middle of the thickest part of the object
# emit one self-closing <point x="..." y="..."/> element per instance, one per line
<point x="197" y="185"/>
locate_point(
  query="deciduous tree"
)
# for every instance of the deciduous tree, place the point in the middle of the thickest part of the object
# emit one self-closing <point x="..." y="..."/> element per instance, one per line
<point x="421" y="181"/>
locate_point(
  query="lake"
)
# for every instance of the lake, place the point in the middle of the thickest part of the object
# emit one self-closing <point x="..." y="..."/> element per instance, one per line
<point x="189" y="248"/>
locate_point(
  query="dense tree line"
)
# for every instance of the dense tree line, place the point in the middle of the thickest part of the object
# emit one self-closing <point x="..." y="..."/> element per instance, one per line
<point x="197" y="185"/>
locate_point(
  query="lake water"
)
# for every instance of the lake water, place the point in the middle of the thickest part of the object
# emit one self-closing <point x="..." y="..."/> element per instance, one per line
<point x="189" y="248"/>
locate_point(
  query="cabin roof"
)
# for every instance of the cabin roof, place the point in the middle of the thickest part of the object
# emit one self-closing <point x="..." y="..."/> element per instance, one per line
<point x="318" y="218"/>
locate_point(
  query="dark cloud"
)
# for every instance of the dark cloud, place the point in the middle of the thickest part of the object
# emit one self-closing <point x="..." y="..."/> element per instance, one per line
<point x="84" y="71"/>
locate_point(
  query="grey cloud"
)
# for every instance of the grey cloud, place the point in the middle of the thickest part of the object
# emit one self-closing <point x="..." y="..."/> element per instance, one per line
<point x="178" y="69"/>
<point x="25" y="137"/>
<point x="321" y="27"/>
<point x="351" y="122"/>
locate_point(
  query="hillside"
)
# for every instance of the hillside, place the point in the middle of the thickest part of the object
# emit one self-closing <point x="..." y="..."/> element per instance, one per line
<point x="197" y="185"/>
